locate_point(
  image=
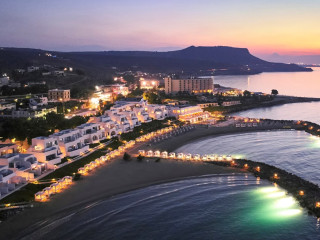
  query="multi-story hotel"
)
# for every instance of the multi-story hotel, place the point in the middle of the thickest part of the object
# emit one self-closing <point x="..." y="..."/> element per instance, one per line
<point x="46" y="150"/>
<point x="190" y="85"/>
<point x="59" y="95"/>
<point x="71" y="142"/>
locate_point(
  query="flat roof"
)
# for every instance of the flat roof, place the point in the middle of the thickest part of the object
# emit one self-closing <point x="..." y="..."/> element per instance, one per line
<point x="7" y="145"/>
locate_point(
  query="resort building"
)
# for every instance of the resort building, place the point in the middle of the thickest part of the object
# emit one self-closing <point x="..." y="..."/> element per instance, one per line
<point x="59" y="95"/>
<point x="4" y="80"/>
<point x="205" y="105"/>
<point x="191" y="114"/>
<point x="121" y="119"/>
<point x="142" y="114"/>
<point x="188" y="85"/>
<point x="8" y="148"/>
<point x="46" y="150"/>
<point x="231" y="103"/>
<point x="71" y="142"/>
<point x="149" y="83"/>
<point x="6" y="175"/>
<point x="91" y="133"/>
<point x="111" y="128"/>
<point x="157" y="112"/>
<point x="24" y="166"/>
<point x="32" y="69"/>
<point x="32" y="113"/>
<point x="132" y="118"/>
<point x="7" y="105"/>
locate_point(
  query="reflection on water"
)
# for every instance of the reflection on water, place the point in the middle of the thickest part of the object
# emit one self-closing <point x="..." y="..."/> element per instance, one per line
<point x="295" y="151"/>
<point x="292" y="111"/>
<point x="211" y="207"/>
<point x="305" y="84"/>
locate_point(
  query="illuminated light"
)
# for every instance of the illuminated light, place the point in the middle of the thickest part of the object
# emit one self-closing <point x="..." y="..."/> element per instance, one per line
<point x="258" y="178"/>
<point x="246" y="166"/>
<point x="289" y="212"/>
<point x="317" y="204"/>
<point x="275" y="176"/>
<point x="7" y="205"/>
<point x="285" y="202"/>
<point x="37" y="147"/>
<point x="258" y="169"/>
<point x="268" y="189"/>
<point x="301" y="193"/>
<point x="276" y="194"/>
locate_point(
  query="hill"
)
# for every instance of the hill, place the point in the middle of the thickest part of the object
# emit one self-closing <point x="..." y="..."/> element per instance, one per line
<point x="192" y="60"/>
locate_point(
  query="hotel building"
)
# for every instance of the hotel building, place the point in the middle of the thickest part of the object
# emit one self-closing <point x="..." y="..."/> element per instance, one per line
<point x="59" y="95"/>
<point x="188" y="85"/>
<point x="191" y="114"/>
<point x="46" y="150"/>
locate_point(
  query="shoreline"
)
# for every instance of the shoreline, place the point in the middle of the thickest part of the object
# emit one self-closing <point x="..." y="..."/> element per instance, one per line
<point x="279" y="100"/>
<point x="126" y="176"/>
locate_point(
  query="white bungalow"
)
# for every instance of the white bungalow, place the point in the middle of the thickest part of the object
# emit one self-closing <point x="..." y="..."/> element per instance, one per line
<point x="55" y="187"/>
<point x="196" y="157"/>
<point x="204" y="157"/>
<point x="164" y="154"/>
<point x="48" y="191"/>
<point x="220" y="158"/>
<point x="157" y="154"/>
<point x="150" y="153"/>
<point x="82" y="171"/>
<point x="40" y="196"/>
<point x="180" y="155"/>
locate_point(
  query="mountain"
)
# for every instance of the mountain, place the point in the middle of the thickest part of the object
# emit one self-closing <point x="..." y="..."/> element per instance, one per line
<point x="192" y="60"/>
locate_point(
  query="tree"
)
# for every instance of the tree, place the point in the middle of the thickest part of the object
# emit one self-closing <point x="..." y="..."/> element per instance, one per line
<point x="274" y="92"/>
<point x="126" y="157"/>
<point x="246" y="94"/>
<point x="151" y="97"/>
<point x="140" y="158"/>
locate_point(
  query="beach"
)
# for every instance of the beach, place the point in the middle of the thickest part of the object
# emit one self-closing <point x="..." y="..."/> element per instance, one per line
<point x="119" y="176"/>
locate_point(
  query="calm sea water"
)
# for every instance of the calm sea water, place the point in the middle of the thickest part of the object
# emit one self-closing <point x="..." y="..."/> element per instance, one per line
<point x="293" y="111"/>
<point x="303" y="84"/>
<point x="212" y="207"/>
<point x="294" y="151"/>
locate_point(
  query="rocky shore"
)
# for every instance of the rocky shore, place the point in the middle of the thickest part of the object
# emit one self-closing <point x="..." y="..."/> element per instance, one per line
<point x="306" y="193"/>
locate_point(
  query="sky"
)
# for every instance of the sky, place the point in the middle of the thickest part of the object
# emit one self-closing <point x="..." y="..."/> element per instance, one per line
<point x="287" y="27"/>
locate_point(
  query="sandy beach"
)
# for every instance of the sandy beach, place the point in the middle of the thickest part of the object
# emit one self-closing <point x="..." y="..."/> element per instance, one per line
<point x="115" y="177"/>
<point x="118" y="176"/>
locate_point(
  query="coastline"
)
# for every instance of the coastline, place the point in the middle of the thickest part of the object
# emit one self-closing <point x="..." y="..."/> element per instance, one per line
<point x="119" y="176"/>
<point x="279" y="100"/>
<point x="115" y="178"/>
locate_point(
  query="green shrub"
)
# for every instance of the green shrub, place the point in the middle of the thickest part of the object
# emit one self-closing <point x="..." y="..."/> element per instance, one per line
<point x="126" y="157"/>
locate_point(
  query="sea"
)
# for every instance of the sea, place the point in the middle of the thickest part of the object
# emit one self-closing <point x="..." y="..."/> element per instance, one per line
<point x="232" y="206"/>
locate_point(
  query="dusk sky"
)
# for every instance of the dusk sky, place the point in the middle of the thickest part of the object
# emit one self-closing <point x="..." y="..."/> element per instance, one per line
<point x="264" y="26"/>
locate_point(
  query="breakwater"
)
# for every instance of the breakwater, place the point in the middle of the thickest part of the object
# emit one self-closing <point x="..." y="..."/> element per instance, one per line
<point x="309" y="127"/>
